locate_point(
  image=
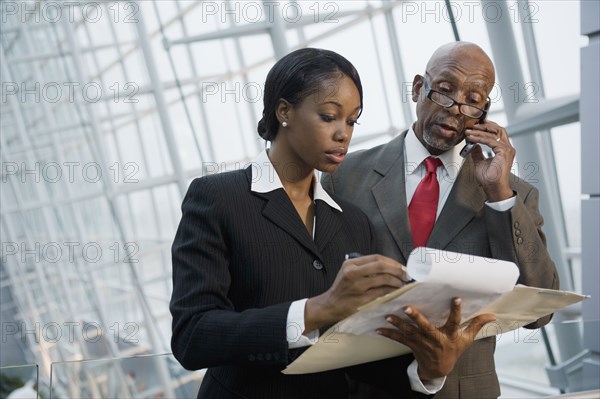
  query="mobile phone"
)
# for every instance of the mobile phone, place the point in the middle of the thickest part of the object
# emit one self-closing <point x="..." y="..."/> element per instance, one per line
<point x="468" y="144"/>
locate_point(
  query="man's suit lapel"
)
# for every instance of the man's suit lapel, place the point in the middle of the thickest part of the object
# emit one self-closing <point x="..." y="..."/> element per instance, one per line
<point x="465" y="200"/>
<point x="390" y="194"/>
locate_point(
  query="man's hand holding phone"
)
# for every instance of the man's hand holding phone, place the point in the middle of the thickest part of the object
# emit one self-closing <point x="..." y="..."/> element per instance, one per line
<point x="492" y="173"/>
<point x="469" y="145"/>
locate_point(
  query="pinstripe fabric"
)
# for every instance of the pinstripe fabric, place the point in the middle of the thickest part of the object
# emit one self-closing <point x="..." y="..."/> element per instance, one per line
<point x="373" y="180"/>
<point x="239" y="259"/>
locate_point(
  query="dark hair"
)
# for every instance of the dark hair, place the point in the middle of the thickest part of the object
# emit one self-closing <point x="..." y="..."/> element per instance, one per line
<point x="297" y="75"/>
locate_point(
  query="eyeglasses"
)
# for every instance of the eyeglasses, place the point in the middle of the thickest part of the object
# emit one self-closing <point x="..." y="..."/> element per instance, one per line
<point x="445" y="101"/>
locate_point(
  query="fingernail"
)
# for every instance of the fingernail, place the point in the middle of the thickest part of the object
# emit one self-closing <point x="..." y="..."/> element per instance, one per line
<point x="408" y="310"/>
<point x="457" y="301"/>
<point x="379" y="332"/>
<point x="388" y="319"/>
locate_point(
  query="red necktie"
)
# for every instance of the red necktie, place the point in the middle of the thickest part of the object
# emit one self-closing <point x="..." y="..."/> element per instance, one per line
<point x="423" y="206"/>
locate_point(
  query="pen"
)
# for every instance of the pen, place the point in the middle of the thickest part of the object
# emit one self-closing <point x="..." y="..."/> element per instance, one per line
<point x="352" y="255"/>
<point x="410" y="280"/>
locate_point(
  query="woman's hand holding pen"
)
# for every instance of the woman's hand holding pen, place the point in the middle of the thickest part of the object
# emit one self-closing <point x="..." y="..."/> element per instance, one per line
<point x="359" y="281"/>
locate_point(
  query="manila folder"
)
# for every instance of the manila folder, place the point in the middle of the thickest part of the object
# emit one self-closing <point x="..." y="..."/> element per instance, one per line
<point x="485" y="286"/>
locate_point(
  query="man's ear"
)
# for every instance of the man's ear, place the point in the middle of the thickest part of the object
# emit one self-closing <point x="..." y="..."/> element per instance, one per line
<point x="416" y="87"/>
<point x="282" y="110"/>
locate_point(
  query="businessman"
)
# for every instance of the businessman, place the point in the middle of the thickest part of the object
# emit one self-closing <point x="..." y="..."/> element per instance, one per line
<point x="418" y="190"/>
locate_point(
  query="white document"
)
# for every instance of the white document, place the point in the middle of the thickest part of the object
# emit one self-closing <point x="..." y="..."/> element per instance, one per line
<point x="442" y="275"/>
<point x="484" y="285"/>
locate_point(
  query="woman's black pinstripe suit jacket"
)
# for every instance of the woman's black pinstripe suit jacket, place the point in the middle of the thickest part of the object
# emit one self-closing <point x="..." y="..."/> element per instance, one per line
<point x="240" y="258"/>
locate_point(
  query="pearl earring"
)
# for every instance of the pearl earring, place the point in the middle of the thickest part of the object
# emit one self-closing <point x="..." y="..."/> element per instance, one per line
<point x="284" y="124"/>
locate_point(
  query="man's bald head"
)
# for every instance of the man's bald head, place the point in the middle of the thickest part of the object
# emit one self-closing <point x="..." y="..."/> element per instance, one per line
<point x="461" y="53"/>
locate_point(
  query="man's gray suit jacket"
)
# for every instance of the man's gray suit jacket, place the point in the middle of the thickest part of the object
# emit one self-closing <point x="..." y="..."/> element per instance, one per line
<point x="374" y="181"/>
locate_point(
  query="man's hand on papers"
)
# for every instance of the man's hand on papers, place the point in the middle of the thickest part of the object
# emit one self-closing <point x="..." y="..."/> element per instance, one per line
<point x="358" y="282"/>
<point x="436" y="349"/>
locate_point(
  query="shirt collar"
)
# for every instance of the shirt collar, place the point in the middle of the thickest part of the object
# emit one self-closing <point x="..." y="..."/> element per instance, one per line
<point x="415" y="153"/>
<point x="266" y="179"/>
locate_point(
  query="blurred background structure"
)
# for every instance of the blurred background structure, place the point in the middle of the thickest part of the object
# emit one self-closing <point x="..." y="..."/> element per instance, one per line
<point x="110" y="108"/>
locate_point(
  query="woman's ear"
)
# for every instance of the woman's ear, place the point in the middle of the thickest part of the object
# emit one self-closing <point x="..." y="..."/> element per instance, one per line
<point x="282" y="110"/>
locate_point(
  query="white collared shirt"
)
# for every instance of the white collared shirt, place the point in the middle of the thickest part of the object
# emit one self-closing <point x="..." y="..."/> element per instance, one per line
<point x="266" y="179"/>
<point x="414" y="170"/>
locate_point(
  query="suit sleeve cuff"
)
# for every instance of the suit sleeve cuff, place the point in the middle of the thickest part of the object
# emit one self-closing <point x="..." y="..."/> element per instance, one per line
<point x="504" y="205"/>
<point x="295" y="327"/>
<point x="428" y="387"/>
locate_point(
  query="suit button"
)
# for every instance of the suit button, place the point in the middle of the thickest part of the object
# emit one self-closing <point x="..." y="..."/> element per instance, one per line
<point x="260" y="357"/>
<point x="276" y="355"/>
<point x="317" y="264"/>
<point x="519" y="240"/>
<point x="251" y="358"/>
<point x="517" y="232"/>
<point x="516" y="225"/>
<point x="268" y="356"/>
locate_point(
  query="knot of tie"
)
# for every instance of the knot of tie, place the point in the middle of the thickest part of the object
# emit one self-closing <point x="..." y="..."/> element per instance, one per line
<point x="431" y="164"/>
